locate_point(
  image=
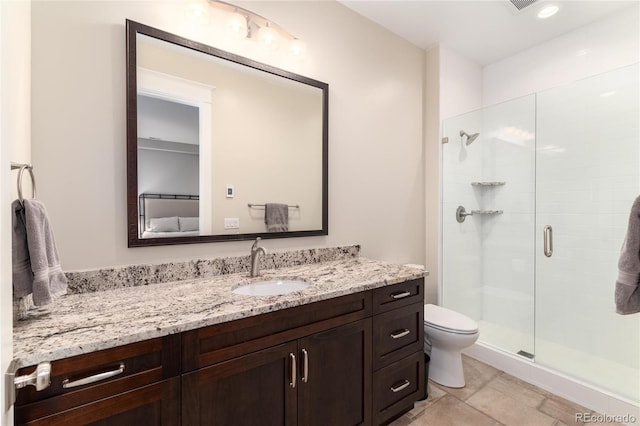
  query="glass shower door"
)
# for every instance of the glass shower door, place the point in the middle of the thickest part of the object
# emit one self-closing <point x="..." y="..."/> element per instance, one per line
<point x="587" y="176"/>
<point x="487" y="259"/>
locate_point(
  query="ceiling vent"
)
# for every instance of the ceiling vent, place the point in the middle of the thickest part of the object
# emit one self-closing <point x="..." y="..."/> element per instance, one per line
<point x="521" y="4"/>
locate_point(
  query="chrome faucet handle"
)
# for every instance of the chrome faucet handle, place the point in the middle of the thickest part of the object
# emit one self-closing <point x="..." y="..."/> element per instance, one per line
<point x="254" y="247"/>
<point x="255" y="251"/>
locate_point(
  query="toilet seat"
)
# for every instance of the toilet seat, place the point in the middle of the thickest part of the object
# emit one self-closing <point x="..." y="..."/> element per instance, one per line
<point x="450" y="330"/>
<point x="449" y="321"/>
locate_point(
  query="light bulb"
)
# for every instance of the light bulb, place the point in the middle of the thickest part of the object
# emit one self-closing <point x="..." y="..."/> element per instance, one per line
<point x="548" y="12"/>
<point x="297" y="47"/>
<point x="195" y="12"/>
<point x="237" y="24"/>
<point x="267" y="36"/>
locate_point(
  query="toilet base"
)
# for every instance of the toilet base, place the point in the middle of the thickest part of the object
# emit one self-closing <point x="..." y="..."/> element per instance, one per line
<point x="446" y="368"/>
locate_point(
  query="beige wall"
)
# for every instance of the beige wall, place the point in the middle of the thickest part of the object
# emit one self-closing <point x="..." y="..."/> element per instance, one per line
<point x="453" y="86"/>
<point x="376" y="177"/>
<point x="432" y="173"/>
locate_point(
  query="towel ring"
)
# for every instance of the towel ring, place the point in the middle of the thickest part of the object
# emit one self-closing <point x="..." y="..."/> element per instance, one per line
<point x="22" y="168"/>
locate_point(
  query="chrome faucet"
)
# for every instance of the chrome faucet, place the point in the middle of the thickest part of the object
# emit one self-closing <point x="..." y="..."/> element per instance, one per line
<point x="255" y="250"/>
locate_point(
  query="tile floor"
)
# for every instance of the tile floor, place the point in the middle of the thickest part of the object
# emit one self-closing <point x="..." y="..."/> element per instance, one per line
<point x="492" y="397"/>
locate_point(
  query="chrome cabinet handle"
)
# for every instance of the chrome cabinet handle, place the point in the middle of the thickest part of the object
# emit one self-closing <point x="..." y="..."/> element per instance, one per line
<point x="294" y="370"/>
<point x="66" y="384"/>
<point x="400" y="333"/>
<point x="548" y="240"/>
<point x="40" y="378"/>
<point x="305" y="366"/>
<point x="400" y="295"/>
<point x="400" y="387"/>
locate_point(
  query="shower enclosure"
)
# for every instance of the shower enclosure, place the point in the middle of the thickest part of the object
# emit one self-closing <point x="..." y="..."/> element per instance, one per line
<point x="534" y="213"/>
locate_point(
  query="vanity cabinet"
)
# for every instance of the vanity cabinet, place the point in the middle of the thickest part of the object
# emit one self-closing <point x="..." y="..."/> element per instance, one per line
<point x="350" y="360"/>
<point x="128" y="385"/>
<point x="316" y="369"/>
<point x="318" y="380"/>
<point x="398" y="342"/>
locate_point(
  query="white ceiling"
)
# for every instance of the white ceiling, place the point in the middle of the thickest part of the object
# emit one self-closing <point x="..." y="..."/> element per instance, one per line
<point x="482" y="30"/>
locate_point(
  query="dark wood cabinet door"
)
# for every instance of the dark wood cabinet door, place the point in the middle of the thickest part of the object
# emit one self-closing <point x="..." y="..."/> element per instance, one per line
<point x="335" y="376"/>
<point x="156" y="404"/>
<point x="255" y="389"/>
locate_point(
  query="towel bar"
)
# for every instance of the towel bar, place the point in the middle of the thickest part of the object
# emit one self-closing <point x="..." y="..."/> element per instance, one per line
<point x="294" y="206"/>
<point x="22" y="168"/>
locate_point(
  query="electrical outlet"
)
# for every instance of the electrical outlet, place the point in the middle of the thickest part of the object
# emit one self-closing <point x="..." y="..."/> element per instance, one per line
<point x="231" y="223"/>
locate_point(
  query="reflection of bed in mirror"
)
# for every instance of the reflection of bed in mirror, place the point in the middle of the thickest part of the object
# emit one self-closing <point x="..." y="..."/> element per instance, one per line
<point x="168" y="215"/>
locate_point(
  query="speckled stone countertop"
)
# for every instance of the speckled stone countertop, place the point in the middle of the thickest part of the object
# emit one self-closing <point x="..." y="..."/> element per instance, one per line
<point x="87" y="322"/>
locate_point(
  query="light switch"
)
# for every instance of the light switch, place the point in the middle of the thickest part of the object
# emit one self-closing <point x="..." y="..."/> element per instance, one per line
<point x="231" y="223"/>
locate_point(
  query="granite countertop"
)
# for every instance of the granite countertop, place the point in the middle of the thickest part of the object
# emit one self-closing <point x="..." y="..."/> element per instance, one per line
<point x="81" y="323"/>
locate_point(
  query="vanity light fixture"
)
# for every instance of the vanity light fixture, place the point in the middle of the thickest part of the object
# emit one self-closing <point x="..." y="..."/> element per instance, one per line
<point x="297" y="47"/>
<point x="548" y="11"/>
<point x="237" y="24"/>
<point x="268" y="36"/>
<point x="196" y="12"/>
<point x="243" y="23"/>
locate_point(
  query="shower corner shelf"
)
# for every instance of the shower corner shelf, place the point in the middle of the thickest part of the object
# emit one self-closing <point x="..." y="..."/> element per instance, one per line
<point x="461" y="213"/>
<point x="494" y="183"/>
<point x="489" y="212"/>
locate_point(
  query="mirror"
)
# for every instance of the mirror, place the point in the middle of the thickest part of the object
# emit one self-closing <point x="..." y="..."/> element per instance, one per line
<point x="220" y="147"/>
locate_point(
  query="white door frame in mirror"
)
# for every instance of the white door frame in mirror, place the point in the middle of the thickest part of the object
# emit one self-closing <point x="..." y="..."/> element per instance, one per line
<point x="176" y="89"/>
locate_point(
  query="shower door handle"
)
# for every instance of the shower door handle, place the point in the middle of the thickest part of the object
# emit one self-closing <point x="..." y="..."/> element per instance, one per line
<point x="548" y="240"/>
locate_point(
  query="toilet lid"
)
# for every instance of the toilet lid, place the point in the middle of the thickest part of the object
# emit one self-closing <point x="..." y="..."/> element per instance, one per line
<point x="447" y="319"/>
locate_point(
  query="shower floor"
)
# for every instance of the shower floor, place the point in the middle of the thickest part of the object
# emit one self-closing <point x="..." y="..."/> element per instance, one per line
<point x="617" y="378"/>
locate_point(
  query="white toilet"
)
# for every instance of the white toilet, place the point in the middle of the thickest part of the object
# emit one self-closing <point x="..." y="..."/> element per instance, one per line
<point x="449" y="332"/>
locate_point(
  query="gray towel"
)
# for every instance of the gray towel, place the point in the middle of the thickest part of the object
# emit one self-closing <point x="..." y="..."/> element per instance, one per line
<point x="276" y="216"/>
<point x="36" y="265"/>
<point x="628" y="282"/>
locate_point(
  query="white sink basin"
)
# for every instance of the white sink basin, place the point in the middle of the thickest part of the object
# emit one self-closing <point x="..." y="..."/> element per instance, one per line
<point x="271" y="287"/>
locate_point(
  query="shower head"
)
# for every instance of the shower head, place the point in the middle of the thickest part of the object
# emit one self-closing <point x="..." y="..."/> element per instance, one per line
<point x="470" y="138"/>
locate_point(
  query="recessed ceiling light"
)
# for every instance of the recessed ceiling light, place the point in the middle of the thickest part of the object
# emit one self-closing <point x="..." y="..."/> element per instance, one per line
<point x="548" y="11"/>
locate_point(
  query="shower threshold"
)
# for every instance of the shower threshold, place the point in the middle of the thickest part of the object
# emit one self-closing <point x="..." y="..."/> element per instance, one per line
<point x="525" y="354"/>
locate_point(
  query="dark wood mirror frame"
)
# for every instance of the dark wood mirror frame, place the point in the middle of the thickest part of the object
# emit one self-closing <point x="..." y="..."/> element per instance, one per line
<point x="134" y="28"/>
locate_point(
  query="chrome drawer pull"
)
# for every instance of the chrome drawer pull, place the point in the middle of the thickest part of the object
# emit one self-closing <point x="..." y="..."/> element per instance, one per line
<point x="305" y="367"/>
<point x="405" y="384"/>
<point x="66" y="384"/>
<point x="400" y="295"/>
<point x="400" y="333"/>
<point x="294" y="369"/>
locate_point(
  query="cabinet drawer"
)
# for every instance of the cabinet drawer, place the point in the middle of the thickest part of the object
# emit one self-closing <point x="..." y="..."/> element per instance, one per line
<point x="133" y="366"/>
<point x="397" y="386"/>
<point x="397" y="333"/>
<point x="398" y="295"/>
<point x="156" y="404"/>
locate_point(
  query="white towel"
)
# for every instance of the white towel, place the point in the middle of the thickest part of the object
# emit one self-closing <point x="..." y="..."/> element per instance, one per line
<point x="628" y="283"/>
<point x="36" y="265"/>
